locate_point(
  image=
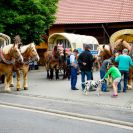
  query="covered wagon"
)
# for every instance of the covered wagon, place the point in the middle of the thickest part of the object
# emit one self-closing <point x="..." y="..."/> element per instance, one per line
<point x="4" y="39"/>
<point x="72" y="41"/>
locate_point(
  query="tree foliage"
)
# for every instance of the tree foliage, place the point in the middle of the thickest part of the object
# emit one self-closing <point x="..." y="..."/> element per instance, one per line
<point x="28" y="18"/>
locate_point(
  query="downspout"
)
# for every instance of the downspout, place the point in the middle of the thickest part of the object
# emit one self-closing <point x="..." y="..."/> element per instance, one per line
<point x="105" y="31"/>
<point x="107" y="36"/>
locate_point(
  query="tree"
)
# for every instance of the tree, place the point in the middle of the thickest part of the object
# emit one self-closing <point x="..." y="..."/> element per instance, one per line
<point x="28" y="18"/>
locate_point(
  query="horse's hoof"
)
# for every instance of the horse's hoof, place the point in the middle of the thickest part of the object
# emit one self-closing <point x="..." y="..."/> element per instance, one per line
<point x="129" y="87"/>
<point x="11" y="85"/>
<point x="18" y="89"/>
<point x="25" y="88"/>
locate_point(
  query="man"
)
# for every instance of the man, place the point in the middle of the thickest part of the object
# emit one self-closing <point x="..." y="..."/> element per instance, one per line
<point x="124" y="63"/>
<point x="74" y="68"/>
<point x="85" y="61"/>
<point x="103" y="70"/>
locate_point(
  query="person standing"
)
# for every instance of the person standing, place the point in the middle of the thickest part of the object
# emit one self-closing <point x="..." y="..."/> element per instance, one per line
<point x="124" y="63"/>
<point x="103" y="70"/>
<point x="74" y="68"/>
<point x="85" y="61"/>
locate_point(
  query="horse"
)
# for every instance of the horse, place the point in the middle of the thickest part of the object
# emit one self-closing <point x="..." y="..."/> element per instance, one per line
<point x="104" y="52"/>
<point x="29" y="53"/>
<point x="8" y="55"/>
<point x="55" y="60"/>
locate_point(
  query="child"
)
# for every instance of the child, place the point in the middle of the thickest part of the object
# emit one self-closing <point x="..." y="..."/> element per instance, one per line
<point x="116" y="76"/>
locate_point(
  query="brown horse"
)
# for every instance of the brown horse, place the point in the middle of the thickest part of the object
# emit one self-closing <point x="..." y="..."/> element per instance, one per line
<point x="54" y="61"/>
<point x="8" y="55"/>
<point x="29" y="53"/>
<point x="105" y="52"/>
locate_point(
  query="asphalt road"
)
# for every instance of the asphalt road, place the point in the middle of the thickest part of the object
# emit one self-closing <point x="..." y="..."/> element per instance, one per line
<point x="18" y="120"/>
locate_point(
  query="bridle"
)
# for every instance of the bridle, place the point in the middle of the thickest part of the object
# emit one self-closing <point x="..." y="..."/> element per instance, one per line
<point x="28" y="57"/>
<point x="12" y="54"/>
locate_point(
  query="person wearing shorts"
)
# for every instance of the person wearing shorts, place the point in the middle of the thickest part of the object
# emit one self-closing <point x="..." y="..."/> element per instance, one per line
<point x="116" y="77"/>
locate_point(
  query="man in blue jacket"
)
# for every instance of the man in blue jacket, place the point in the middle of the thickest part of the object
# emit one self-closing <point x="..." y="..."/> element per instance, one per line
<point x="74" y="68"/>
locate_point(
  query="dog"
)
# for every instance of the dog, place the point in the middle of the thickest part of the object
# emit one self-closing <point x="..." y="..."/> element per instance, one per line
<point x="96" y="85"/>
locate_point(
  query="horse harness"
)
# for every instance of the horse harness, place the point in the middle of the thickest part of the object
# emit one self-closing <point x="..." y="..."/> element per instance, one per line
<point x="30" y="58"/>
<point x="4" y="60"/>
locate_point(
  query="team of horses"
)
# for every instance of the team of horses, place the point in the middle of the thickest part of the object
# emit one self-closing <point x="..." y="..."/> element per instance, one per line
<point x="29" y="53"/>
<point x="55" y="62"/>
<point x="16" y="58"/>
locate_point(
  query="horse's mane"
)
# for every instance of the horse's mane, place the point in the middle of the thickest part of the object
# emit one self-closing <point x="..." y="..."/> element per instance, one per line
<point x="6" y="48"/>
<point x="24" y="48"/>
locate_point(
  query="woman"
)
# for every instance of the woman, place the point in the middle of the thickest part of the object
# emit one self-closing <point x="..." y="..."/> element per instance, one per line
<point x="116" y="76"/>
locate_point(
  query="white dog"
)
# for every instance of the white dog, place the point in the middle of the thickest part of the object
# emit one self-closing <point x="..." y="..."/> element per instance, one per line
<point x="96" y="85"/>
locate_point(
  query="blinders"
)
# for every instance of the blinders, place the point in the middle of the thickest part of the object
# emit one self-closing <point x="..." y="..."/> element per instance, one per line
<point x="32" y="54"/>
<point x="15" y="53"/>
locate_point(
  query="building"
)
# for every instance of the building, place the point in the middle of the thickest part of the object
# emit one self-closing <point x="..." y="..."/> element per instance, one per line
<point x="98" y="18"/>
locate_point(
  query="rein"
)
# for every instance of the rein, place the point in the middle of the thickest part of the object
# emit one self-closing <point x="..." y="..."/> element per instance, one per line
<point x="4" y="60"/>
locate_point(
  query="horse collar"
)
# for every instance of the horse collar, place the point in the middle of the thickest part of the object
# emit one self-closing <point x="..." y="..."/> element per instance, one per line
<point x="4" y="59"/>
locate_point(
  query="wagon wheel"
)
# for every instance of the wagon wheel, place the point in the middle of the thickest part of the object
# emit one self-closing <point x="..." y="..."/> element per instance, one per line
<point x="122" y="37"/>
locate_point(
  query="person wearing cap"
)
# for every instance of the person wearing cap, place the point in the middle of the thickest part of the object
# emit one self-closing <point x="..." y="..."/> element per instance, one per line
<point x="85" y="61"/>
<point x="124" y="62"/>
<point x="116" y="77"/>
<point x="74" y="68"/>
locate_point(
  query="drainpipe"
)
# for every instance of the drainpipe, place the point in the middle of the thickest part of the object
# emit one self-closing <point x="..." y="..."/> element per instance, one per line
<point x="105" y="31"/>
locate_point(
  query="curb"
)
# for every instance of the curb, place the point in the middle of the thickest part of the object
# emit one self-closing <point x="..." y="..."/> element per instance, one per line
<point x="76" y="115"/>
<point x="127" y="108"/>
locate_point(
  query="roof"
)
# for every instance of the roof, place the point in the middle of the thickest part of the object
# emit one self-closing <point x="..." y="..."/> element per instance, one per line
<point x="75" y="40"/>
<point x="94" y="11"/>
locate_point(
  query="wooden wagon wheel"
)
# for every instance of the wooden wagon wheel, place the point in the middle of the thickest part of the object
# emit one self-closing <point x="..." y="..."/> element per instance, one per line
<point x="123" y="37"/>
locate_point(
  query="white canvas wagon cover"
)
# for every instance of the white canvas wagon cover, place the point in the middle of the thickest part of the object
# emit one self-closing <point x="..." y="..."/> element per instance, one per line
<point x="4" y="39"/>
<point x="73" y="41"/>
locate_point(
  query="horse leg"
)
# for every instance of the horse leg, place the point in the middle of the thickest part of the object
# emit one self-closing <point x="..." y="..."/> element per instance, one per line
<point x="48" y="76"/>
<point x="25" y="75"/>
<point x="12" y="83"/>
<point x="130" y="78"/>
<point x="57" y="73"/>
<point x="3" y="78"/>
<point x="18" y="80"/>
<point x="64" y="73"/>
<point x="7" y="82"/>
<point x="51" y="74"/>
